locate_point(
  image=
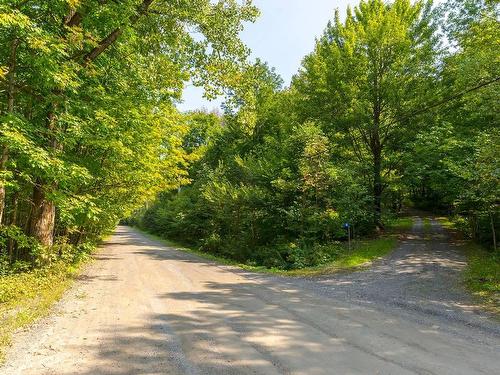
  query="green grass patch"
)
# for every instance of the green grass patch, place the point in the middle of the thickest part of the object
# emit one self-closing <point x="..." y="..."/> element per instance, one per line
<point x="362" y="253"/>
<point x="446" y="222"/>
<point x="427" y="225"/>
<point x="482" y="274"/>
<point x="27" y="296"/>
<point x="400" y="224"/>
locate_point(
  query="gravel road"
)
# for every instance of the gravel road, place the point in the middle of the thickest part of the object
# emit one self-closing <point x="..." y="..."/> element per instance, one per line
<point x="422" y="276"/>
<point x="143" y="308"/>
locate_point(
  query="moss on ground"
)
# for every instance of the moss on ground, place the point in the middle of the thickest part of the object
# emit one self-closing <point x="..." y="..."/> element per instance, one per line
<point x="427" y="225"/>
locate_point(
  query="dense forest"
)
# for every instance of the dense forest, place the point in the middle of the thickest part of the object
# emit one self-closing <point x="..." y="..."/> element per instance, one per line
<point x="397" y="106"/>
<point x="89" y="129"/>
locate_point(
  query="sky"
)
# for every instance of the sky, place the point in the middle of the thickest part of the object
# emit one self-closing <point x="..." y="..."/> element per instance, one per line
<point x="284" y="33"/>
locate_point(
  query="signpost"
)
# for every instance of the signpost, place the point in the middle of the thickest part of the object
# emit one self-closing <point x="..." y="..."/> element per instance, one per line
<point x="348" y="227"/>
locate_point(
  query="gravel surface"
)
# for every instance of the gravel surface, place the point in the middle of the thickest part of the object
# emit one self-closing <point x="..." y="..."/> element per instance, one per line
<point x="422" y="276"/>
<point x="143" y="308"/>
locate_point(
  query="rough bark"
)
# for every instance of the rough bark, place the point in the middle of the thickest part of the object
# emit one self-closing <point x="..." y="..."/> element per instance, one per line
<point x="43" y="213"/>
<point x="43" y="216"/>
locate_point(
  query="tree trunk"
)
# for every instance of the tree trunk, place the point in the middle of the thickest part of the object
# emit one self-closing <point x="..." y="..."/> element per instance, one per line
<point x="493" y="232"/>
<point x="376" y="150"/>
<point x="11" y="78"/>
<point x="43" y="216"/>
<point x="43" y="213"/>
<point x="104" y="44"/>
<point x="377" y="188"/>
<point x="42" y="221"/>
<point x="473" y="225"/>
<point x="13" y="221"/>
<point x="3" y="162"/>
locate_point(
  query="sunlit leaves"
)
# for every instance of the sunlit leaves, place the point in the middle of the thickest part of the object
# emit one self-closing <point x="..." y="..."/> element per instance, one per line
<point x="101" y="136"/>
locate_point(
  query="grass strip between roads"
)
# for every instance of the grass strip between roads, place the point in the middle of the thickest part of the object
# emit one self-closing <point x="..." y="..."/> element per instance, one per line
<point x="362" y="254"/>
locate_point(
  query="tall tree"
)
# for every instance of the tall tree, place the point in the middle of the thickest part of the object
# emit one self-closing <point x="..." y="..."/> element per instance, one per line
<point x="78" y="58"/>
<point x="363" y="78"/>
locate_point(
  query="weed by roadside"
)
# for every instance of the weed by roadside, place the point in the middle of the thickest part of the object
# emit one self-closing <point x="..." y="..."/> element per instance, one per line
<point x="400" y="224"/>
<point x="482" y="274"/>
<point x="362" y="253"/>
<point x="29" y="295"/>
<point x="427" y="225"/>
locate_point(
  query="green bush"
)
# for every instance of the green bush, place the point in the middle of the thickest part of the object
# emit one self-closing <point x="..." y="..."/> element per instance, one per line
<point x="482" y="274"/>
<point x="27" y="254"/>
<point x="212" y="244"/>
<point x="21" y="247"/>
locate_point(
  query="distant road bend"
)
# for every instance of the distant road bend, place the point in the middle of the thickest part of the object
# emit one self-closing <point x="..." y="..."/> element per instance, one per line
<point x="143" y="308"/>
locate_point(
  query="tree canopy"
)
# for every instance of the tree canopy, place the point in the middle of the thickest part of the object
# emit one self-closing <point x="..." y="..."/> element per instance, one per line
<point x="396" y="107"/>
<point x="89" y="129"/>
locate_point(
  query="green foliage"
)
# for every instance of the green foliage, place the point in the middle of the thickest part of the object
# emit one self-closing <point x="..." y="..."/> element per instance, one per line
<point x="483" y="274"/>
<point x="363" y="78"/>
<point x="454" y="166"/>
<point x="89" y="131"/>
<point x="265" y="192"/>
<point x="350" y="137"/>
<point x="388" y="109"/>
<point x="23" y="242"/>
<point x="28" y="295"/>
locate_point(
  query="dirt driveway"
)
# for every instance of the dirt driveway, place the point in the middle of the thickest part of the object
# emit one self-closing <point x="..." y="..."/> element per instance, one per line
<point x="143" y="308"/>
<point x="423" y="275"/>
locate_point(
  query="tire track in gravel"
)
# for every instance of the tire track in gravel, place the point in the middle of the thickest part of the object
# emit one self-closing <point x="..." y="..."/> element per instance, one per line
<point x="149" y="309"/>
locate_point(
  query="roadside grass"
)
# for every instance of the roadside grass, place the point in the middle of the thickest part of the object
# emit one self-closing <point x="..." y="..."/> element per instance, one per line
<point x="400" y="224"/>
<point x="482" y="275"/>
<point x="361" y="255"/>
<point x="364" y="252"/>
<point x="446" y="222"/>
<point x="28" y="296"/>
<point x="427" y="225"/>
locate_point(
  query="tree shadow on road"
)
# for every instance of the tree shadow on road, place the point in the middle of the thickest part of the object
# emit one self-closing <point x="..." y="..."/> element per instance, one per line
<point x="264" y="328"/>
